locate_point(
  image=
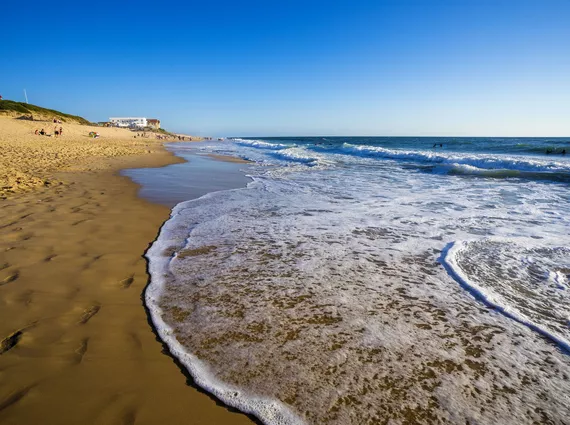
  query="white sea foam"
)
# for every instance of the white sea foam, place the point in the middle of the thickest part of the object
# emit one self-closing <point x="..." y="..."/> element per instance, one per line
<point x="302" y="155"/>
<point x="454" y="159"/>
<point x="317" y="291"/>
<point x="524" y="280"/>
<point x="268" y="410"/>
<point x="260" y="144"/>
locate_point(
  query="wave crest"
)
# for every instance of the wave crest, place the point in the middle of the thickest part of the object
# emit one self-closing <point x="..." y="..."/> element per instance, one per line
<point x="476" y="162"/>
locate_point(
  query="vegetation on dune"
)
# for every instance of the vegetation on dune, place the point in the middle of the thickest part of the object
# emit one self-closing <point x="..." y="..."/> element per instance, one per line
<point x="163" y="131"/>
<point x="25" y="108"/>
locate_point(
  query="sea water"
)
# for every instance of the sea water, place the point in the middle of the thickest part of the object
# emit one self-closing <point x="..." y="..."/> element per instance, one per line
<point x="376" y="280"/>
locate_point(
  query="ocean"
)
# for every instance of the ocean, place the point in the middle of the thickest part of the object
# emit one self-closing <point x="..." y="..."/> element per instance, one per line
<point x="361" y="280"/>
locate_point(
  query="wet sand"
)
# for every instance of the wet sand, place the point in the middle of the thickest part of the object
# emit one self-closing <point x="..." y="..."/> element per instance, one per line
<point x="76" y="346"/>
<point x="201" y="174"/>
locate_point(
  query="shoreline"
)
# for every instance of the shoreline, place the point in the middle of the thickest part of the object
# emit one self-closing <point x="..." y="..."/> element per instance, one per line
<point x="311" y="281"/>
<point x="76" y="345"/>
<point x="259" y="409"/>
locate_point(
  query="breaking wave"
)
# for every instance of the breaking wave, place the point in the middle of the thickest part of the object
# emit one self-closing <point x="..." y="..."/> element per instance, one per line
<point x="476" y="162"/>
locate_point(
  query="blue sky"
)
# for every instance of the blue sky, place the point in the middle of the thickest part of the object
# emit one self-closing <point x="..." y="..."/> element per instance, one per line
<point x="485" y="67"/>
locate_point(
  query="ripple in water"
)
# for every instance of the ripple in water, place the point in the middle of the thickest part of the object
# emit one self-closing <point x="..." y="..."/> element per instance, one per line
<point x="528" y="283"/>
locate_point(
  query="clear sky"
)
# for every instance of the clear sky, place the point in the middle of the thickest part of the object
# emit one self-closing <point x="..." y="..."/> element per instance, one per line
<point x="407" y="67"/>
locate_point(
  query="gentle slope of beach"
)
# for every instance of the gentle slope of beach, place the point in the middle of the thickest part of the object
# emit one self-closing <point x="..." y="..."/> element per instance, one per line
<point x="30" y="160"/>
<point x="76" y="345"/>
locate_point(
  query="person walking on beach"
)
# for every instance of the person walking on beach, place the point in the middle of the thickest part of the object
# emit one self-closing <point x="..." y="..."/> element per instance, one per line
<point x="61" y="131"/>
<point x="55" y="132"/>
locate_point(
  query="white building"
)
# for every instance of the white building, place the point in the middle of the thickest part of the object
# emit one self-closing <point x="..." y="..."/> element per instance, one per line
<point x="130" y="122"/>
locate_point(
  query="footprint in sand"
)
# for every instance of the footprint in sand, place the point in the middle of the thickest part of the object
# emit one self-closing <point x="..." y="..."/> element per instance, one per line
<point x="135" y="342"/>
<point x="117" y="410"/>
<point x="127" y="282"/>
<point x="10" y="341"/>
<point x="14" y="397"/>
<point x="91" y="261"/>
<point x="129" y="416"/>
<point x="88" y="314"/>
<point x="80" y="351"/>
<point x="50" y="257"/>
<point x="10" y="278"/>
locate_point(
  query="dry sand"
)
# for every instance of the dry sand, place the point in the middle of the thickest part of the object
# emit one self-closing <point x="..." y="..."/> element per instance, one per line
<point x="76" y="347"/>
<point x="28" y="159"/>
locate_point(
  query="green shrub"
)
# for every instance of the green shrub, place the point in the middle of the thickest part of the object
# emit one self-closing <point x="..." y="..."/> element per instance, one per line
<point x="25" y="108"/>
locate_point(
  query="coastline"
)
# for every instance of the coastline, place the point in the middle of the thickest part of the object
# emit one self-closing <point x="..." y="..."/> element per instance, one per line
<point x="262" y="409"/>
<point x="76" y="344"/>
<point x="327" y="288"/>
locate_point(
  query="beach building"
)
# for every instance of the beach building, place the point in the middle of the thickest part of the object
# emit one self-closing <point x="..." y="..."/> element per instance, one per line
<point x="131" y="122"/>
<point x="153" y="122"/>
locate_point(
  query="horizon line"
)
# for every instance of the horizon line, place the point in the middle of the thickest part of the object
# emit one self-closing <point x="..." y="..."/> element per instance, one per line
<point x="457" y="137"/>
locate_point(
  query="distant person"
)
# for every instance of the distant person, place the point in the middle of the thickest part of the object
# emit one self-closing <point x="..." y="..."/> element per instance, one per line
<point x="42" y="132"/>
<point x="0" y="97"/>
<point x="36" y="132"/>
<point x="61" y="131"/>
<point x="548" y="151"/>
<point x="441" y="145"/>
<point x="56" y="132"/>
<point x="563" y="152"/>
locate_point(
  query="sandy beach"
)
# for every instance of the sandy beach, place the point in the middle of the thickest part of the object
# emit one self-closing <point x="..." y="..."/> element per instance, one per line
<point x="76" y="346"/>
